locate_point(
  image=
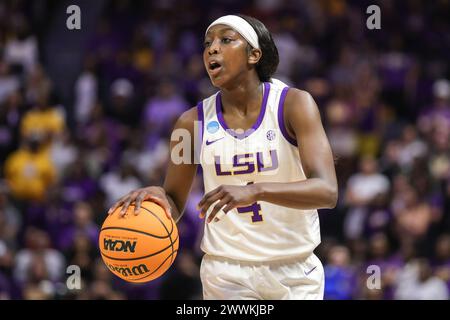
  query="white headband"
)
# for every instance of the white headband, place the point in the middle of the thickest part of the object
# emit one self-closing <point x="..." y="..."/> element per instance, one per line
<point x="240" y="25"/>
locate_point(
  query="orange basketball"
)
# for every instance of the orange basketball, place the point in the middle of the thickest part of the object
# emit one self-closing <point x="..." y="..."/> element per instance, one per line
<point x="139" y="248"/>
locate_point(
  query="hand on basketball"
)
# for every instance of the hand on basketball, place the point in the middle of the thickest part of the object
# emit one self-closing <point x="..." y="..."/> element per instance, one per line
<point x="154" y="194"/>
<point x="228" y="197"/>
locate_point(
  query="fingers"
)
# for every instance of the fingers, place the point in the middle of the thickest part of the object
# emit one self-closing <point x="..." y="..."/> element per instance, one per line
<point x="125" y="206"/>
<point x="115" y="206"/>
<point x="138" y="202"/>
<point x="163" y="203"/>
<point x="217" y="207"/>
<point x="208" y="201"/>
<point x="206" y="196"/>
<point x="220" y="214"/>
<point x="230" y="206"/>
<point x="137" y="198"/>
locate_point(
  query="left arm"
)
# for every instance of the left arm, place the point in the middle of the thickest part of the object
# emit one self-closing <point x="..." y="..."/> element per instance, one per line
<point x="319" y="190"/>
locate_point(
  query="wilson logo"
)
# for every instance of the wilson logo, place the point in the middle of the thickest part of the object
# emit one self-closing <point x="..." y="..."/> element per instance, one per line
<point x="119" y="245"/>
<point x="127" y="271"/>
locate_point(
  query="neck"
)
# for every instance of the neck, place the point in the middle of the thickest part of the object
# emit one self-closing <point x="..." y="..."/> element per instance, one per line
<point x="242" y="93"/>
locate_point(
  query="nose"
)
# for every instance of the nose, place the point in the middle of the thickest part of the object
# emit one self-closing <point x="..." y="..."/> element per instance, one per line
<point x="214" y="47"/>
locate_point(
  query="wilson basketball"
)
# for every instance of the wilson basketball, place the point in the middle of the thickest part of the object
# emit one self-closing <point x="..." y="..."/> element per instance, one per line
<point x="139" y="248"/>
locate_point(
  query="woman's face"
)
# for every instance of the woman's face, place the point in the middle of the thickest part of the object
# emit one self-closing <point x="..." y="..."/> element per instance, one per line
<point x="225" y="55"/>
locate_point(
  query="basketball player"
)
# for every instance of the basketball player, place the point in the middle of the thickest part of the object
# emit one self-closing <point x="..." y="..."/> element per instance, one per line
<point x="267" y="168"/>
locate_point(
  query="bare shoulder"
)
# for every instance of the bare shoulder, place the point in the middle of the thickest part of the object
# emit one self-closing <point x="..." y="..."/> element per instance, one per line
<point x="301" y="112"/>
<point x="187" y="119"/>
<point x="299" y="102"/>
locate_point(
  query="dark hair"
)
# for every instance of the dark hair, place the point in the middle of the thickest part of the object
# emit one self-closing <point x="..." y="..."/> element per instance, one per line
<point x="268" y="63"/>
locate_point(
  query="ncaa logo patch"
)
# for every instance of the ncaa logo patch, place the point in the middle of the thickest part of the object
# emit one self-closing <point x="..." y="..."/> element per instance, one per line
<point x="212" y="126"/>
<point x="270" y="135"/>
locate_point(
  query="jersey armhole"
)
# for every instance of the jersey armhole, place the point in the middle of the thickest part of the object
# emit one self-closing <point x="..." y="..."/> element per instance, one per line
<point x="281" y="123"/>
<point x="198" y="145"/>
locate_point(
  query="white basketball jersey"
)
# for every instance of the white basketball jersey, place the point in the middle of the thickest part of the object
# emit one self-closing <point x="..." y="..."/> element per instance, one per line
<point x="265" y="153"/>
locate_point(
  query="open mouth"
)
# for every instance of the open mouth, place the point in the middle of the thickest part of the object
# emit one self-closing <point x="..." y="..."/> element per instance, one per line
<point x="214" y="66"/>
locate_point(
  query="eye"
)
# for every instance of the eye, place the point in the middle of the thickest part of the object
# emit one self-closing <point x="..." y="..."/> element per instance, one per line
<point x="206" y="44"/>
<point x="226" y="40"/>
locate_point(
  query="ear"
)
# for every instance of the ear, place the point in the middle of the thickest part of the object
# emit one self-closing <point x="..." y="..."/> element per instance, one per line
<point x="254" y="55"/>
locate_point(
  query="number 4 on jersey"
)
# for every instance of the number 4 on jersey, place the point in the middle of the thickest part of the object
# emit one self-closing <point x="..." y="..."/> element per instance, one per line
<point x="255" y="208"/>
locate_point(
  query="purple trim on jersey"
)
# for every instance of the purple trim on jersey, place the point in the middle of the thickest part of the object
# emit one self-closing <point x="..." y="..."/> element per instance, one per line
<point x="255" y="126"/>
<point x="200" y="118"/>
<point x="281" y="124"/>
<point x="198" y="145"/>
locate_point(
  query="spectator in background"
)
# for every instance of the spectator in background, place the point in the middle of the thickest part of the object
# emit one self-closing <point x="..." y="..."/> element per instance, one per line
<point x="142" y="53"/>
<point x="10" y="220"/>
<point x="102" y="137"/>
<point x="43" y="120"/>
<point x="441" y="263"/>
<point x="86" y="89"/>
<point x="340" y="277"/>
<point x="78" y="184"/>
<point x="439" y="163"/>
<point x="119" y="182"/>
<point x="145" y="160"/>
<point x="379" y="216"/>
<point x="38" y="86"/>
<point x="63" y="152"/>
<point x="11" y="112"/>
<point x="82" y="253"/>
<point x="380" y="255"/>
<point x="29" y="171"/>
<point x="10" y="225"/>
<point x="417" y="282"/>
<point x="122" y="105"/>
<point x="82" y="224"/>
<point x="341" y="73"/>
<point x="396" y="67"/>
<point x="9" y="83"/>
<point x="162" y="111"/>
<point x="438" y="114"/>
<point x="37" y="285"/>
<point x="38" y="250"/>
<point x="413" y="216"/>
<point x="362" y="188"/>
<point x="289" y="50"/>
<point x="411" y="147"/>
<point x="194" y="79"/>
<point x="343" y="137"/>
<point x="21" y="48"/>
<point x="5" y="288"/>
<point x="100" y="287"/>
<point x="104" y="42"/>
<point x="389" y="161"/>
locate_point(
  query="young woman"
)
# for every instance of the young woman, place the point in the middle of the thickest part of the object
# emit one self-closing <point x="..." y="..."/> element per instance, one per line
<point x="267" y="168"/>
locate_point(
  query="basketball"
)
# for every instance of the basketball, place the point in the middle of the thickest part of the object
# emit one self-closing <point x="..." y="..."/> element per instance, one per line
<point x="139" y="248"/>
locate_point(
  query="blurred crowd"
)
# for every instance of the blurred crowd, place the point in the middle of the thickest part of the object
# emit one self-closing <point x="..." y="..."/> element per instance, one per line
<point x="384" y="97"/>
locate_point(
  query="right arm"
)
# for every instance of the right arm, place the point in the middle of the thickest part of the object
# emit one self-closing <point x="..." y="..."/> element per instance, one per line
<point x="178" y="181"/>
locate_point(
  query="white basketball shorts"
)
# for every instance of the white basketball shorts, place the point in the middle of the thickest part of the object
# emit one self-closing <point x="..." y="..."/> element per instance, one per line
<point x="225" y="279"/>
